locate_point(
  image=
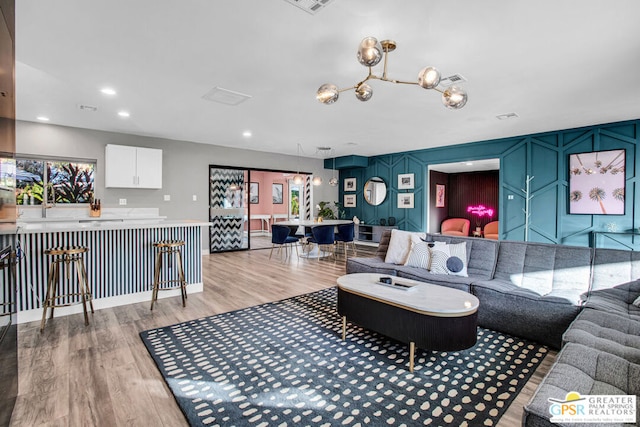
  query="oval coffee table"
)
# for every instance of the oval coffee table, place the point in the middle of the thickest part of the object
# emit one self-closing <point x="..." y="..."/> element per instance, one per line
<point x="430" y="316"/>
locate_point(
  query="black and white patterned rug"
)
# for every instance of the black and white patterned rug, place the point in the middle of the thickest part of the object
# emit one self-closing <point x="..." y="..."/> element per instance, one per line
<point x="284" y="363"/>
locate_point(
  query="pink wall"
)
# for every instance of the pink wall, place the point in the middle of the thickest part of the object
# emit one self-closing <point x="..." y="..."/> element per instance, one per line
<point x="265" y="204"/>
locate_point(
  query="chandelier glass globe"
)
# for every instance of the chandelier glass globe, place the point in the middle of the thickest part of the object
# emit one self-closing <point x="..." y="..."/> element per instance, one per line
<point x="369" y="52"/>
<point x="364" y="92"/>
<point x="328" y="93"/>
<point x="429" y="77"/>
<point x="454" y="97"/>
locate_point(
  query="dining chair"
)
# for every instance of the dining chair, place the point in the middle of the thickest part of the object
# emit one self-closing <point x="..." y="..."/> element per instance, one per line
<point x="324" y="237"/>
<point x="280" y="237"/>
<point x="346" y="235"/>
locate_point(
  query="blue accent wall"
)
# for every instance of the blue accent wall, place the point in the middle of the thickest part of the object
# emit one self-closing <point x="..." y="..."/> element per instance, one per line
<point x="544" y="156"/>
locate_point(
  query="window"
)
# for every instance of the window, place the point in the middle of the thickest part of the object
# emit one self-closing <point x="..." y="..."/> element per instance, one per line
<point x="64" y="181"/>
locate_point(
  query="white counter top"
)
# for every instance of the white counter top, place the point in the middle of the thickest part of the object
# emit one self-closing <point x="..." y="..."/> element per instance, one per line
<point x="89" y="224"/>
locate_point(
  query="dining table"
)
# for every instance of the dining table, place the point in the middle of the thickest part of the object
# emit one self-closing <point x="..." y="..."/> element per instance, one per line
<point x="307" y="225"/>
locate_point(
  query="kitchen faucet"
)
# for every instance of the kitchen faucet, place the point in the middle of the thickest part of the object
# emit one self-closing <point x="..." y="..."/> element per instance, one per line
<point x="46" y="196"/>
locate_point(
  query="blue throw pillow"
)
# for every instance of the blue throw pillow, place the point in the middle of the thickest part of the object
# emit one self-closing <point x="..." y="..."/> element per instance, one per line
<point x="455" y="264"/>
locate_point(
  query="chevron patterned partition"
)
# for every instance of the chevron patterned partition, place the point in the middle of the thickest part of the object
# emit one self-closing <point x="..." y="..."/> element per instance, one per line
<point x="227" y="232"/>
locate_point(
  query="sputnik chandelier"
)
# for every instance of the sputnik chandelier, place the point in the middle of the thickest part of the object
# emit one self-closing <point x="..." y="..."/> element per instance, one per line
<point x="370" y="53"/>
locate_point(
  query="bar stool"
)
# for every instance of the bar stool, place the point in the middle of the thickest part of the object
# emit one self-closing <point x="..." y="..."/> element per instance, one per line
<point x="168" y="248"/>
<point x="69" y="256"/>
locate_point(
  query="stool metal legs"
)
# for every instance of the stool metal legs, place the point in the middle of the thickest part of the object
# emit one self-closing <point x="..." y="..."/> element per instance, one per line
<point x="169" y="251"/>
<point x="54" y="286"/>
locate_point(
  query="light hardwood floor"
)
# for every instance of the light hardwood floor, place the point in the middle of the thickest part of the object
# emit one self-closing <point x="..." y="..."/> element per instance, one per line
<point x="102" y="375"/>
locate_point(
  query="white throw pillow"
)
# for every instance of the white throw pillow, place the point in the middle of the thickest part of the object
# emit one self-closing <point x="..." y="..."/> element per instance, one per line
<point x="637" y="302"/>
<point x="400" y="246"/>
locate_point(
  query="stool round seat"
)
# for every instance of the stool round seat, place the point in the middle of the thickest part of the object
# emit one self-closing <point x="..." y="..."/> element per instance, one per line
<point x="59" y="279"/>
<point x="169" y="243"/>
<point x="168" y="249"/>
<point x="66" y="250"/>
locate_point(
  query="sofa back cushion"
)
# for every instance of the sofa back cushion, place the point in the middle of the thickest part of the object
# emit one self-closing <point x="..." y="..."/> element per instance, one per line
<point x="613" y="267"/>
<point x="546" y="269"/>
<point x="481" y="254"/>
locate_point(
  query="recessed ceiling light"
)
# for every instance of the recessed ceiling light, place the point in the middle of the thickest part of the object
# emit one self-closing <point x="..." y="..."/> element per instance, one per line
<point x="469" y="163"/>
<point x="246" y="133"/>
<point x="43" y="118"/>
<point x="108" y="91"/>
<point x="123" y="113"/>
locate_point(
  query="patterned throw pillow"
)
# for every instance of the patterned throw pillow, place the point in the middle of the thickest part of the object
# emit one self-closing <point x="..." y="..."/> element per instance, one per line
<point x="419" y="255"/>
<point x="457" y="263"/>
<point x="637" y="302"/>
<point x="439" y="256"/>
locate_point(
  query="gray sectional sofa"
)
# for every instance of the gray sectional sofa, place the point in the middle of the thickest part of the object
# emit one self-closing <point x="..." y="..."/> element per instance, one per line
<point x="576" y="299"/>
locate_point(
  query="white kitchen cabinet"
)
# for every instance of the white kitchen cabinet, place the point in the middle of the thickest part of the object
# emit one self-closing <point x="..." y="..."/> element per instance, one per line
<point x="132" y="167"/>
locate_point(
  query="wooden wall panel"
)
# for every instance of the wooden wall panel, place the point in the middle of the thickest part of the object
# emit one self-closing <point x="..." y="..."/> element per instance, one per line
<point x="472" y="189"/>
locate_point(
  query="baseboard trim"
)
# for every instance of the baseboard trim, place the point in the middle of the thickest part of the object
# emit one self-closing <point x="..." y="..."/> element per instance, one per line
<point x="98" y="304"/>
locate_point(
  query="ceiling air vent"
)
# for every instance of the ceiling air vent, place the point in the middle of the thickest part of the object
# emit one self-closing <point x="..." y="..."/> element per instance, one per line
<point x="225" y="96"/>
<point x="451" y="80"/>
<point x="310" y="6"/>
<point x="507" y="116"/>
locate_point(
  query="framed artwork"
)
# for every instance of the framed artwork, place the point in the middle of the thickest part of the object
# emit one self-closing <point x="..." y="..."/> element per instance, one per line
<point x="277" y="193"/>
<point x="349" y="200"/>
<point x="440" y="189"/>
<point x="405" y="181"/>
<point x="405" y="201"/>
<point x="597" y="183"/>
<point x="254" y="196"/>
<point x="350" y="184"/>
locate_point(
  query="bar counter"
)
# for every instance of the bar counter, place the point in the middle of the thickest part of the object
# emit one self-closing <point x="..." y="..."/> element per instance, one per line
<point x="120" y="261"/>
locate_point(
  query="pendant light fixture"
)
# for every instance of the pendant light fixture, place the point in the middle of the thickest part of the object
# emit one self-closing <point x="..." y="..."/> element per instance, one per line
<point x="370" y="53"/>
<point x="334" y="180"/>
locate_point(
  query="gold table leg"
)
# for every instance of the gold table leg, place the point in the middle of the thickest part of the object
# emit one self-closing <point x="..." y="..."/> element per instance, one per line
<point x="412" y="351"/>
<point x="344" y="327"/>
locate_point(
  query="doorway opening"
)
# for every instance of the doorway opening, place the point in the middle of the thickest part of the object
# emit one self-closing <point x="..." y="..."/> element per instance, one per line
<point x="244" y="203"/>
<point x="468" y="190"/>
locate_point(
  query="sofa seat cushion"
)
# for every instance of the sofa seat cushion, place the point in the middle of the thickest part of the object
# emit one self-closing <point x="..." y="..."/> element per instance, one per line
<point x="416" y="273"/>
<point x="607" y="332"/>
<point x="370" y="265"/>
<point x="523" y="312"/>
<point x="586" y="371"/>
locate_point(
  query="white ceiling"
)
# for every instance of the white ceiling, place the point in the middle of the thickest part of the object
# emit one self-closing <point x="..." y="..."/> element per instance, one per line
<point x="557" y="64"/>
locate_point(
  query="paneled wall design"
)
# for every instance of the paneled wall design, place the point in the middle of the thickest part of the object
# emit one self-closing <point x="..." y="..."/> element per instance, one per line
<point x="472" y="188"/>
<point x="543" y="156"/>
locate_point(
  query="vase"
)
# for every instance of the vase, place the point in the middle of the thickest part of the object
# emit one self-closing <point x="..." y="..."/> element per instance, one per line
<point x="392" y="221"/>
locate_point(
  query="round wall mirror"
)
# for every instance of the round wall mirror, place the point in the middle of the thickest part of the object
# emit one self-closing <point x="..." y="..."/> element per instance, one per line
<point x="375" y="191"/>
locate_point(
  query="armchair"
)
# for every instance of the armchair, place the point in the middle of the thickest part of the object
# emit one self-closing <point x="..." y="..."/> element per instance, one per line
<point x="455" y="227"/>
